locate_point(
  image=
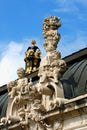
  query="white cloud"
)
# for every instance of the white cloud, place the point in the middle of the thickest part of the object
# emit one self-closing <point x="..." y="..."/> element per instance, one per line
<point x="12" y="58"/>
<point x="67" y="6"/>
<point x="61" y="10"/>
<point x="71" y="6"/>
<point x="70" y="2"/>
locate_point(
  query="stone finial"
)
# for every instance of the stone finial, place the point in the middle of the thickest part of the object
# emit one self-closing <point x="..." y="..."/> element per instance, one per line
<point x="51" y="36"/>
<point x="52" y="66"/>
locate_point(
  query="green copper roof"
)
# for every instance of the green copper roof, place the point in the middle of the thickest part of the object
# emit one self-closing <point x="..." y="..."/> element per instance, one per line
<point x="3" y="104"/>
<point x="75" y="79"/>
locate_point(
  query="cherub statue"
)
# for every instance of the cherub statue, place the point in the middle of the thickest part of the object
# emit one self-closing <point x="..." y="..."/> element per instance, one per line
<point x="16" y="87"/>
<point x="10" y="87"/>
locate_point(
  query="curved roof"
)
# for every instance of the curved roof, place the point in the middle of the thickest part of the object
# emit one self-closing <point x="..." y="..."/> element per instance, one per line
<point x="75" y="79"/>
<point x="3" y="103"/>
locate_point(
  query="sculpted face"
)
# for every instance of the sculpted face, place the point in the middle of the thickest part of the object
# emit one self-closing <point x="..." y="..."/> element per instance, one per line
<point x="20" y="72"/>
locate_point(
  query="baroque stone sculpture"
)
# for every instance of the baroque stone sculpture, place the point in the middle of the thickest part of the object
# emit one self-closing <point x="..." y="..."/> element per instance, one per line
<point x="29" y="101"/>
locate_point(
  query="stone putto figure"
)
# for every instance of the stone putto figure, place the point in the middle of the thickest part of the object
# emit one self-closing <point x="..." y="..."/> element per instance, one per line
<point x="16" y="87"/>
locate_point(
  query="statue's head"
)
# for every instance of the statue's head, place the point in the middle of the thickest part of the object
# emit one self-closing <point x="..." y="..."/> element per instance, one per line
<point x="20" y="72"/>
<point x="33" y="42"/>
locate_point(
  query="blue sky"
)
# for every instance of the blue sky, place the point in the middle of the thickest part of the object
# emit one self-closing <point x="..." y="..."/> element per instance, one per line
<point x="21" y="21"/>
